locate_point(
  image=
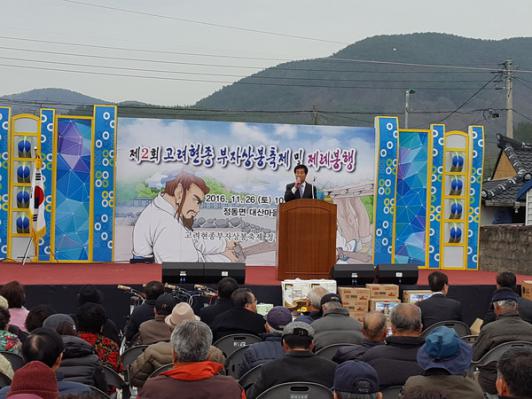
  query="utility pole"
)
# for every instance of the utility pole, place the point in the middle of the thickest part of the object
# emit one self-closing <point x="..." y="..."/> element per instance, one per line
<point x="509" y="99"/>
<point x="407" y="105"/>
<point x="315" y="115"/>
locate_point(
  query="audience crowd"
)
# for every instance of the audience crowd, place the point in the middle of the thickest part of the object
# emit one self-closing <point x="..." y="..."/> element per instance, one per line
<point x="405" y="354"/>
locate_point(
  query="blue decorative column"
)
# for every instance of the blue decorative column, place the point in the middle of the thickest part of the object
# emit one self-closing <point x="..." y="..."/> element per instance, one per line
<point x="438" y="132"/>
<point x="47" y="156"/>
<point x="476" y="135"/>
<point x="5" y="114"/>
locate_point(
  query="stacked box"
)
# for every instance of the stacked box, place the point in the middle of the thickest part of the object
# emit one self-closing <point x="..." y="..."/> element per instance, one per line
<point x="526" y="289"/>
<point x="296" y="291"/>
<point x="383" y="291"/>
<point x="355" y="300"/>
<point x="415" y="296"/>
<point x="384" y="305"/>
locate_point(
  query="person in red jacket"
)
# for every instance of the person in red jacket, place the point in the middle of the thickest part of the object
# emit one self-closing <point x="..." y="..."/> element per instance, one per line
<point x="193" y="376"/>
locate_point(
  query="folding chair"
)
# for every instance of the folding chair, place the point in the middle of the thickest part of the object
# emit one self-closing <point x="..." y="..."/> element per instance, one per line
<point x="232" y="342"/>
<point x="300" y="390"/>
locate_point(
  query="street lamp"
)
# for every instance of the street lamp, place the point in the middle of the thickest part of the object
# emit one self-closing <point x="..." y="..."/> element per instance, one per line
<point x="407" y="103"/>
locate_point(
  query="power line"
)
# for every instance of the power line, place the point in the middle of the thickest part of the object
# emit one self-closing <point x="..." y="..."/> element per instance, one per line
<point x="198" y="22"/>
<point x="470" y="98"/>
<point x="236" y="76"/>
<point x="225" y="82"/>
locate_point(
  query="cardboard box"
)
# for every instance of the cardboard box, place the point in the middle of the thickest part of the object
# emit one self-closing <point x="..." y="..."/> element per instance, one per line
<point x="296" y="291"/>
<point x="361" y="307"/>
<point x="350" y="294"/>
<point x="415" y="296"/>
<point x="384" y="305"/>
<point x="526" y="289"/>
<point x="380" y="291"/>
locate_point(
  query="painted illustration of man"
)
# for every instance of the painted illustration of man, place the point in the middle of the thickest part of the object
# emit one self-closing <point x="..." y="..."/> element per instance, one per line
<point x="163" y="229"/>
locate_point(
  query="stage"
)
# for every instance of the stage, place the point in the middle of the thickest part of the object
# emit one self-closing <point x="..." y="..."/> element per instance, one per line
<point x="57" y="284"/>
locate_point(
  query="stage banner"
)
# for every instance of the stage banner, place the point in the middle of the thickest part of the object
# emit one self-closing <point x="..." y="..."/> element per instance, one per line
<point x="72" y="221"/>
<point x="47" y="156"/>
<point x="411" y="199"/>
<point x="104" y="179"/>
<point x="436" y="195"/>
<point x="386" y="166"/>
<point x="476" y="134"/>
<point x="5" y="113"/>
<point x="190" y="191"/>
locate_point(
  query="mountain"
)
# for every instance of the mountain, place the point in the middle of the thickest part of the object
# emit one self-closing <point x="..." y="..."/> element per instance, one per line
<point x="352" y="93"/>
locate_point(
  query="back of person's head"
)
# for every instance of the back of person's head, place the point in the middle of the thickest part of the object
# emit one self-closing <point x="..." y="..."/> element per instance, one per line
<point x="298" y="335"/>
<point x="191" y="341"/>
<point x="406" y="318"/>
<point x="34" y="378"/>
<point x="37" y="315"/>
<point x="91" y="317"/>
<point x="91" y="294"/>
<point x="226" y="287"/>
<point x="61" y="323"/>
<point x="4" y="318"/>
<point x="153" y="290"/>
<point x="242" y="297"/>
<point x="418" y="392"/>
<point x="164" y="304"/>
<point x="506" y="280"/>
<point x="437" y="281"/>
<point x="374" y="326"/>
<point x="315" y="294"/>
<point x="514" y="370"/>
<point x="44" y="345"/>
<point x="14" y="293"/>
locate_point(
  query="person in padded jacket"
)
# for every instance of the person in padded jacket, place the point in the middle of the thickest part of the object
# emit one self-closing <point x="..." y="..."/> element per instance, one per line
<point x="80" y="362"/>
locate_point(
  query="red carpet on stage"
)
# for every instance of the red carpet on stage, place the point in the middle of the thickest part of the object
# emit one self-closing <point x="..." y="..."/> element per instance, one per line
<point x="125" y="273"/>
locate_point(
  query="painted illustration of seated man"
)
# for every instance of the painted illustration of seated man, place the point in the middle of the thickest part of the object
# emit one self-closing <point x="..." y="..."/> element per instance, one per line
<point x="163" y="229"/>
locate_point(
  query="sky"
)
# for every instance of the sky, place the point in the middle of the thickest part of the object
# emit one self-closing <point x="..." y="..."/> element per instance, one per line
<point x="221" y="39"/>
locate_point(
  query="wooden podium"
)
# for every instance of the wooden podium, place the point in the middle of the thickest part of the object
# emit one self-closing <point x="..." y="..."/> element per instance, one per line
<point x="306" y="239"/>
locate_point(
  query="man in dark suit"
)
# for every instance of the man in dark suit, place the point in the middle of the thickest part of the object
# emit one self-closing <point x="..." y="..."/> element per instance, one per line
<point x="299" y="189"/>
<point x="438" y="307"/>
<point x="226" y="287"/>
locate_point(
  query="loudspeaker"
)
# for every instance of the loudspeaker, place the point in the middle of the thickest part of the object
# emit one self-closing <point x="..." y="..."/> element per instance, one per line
<point x="183" y="272"/>
<point x="353" y="274"/>
<point x="215" y="271"/>
<point x="397" y="274"/>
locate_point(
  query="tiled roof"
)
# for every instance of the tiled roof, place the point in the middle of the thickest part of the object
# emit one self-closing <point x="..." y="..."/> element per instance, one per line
<point x="504" y="192"/>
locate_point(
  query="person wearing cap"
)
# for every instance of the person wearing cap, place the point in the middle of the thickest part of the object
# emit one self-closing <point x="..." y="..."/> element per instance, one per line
<point x="397" y="360"/>
<point x="242" y="318"/>
<point x="298" y="363"/>
<point x="226" y="287"/>
<point x="193" y="375"/>
<point x="374" y="330"/>
<point x="45" y="345"/>
<point x="34" y="378"/>
<point x="271" y="348"/>
<point x="355" y="379"/>
<point x="336" y="326"/>
<point x="160" y="353"/>
<point x="508" y="327"/>
<point x="156" y="330"/>
<point x="439" y="307"/>
<point x="508" y="281"/>
<point x="445" y="359"/>
<point x="79" y="363"/>
<point x="514" y="369"/>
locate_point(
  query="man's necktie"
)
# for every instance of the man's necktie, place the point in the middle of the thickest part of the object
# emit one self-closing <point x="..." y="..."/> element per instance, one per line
<point x="301" y="190"/>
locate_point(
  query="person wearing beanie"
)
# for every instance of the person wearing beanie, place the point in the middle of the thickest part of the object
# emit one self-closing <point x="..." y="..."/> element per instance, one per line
<point x="80" y="363"/>
<point x="262" y="352"/>
<point x="298" y="363"/>
<point x="45" y="346"/>
<point x="508" y="327"/>
<point x="445" y="360"/>
<point x="34" y="378"/>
